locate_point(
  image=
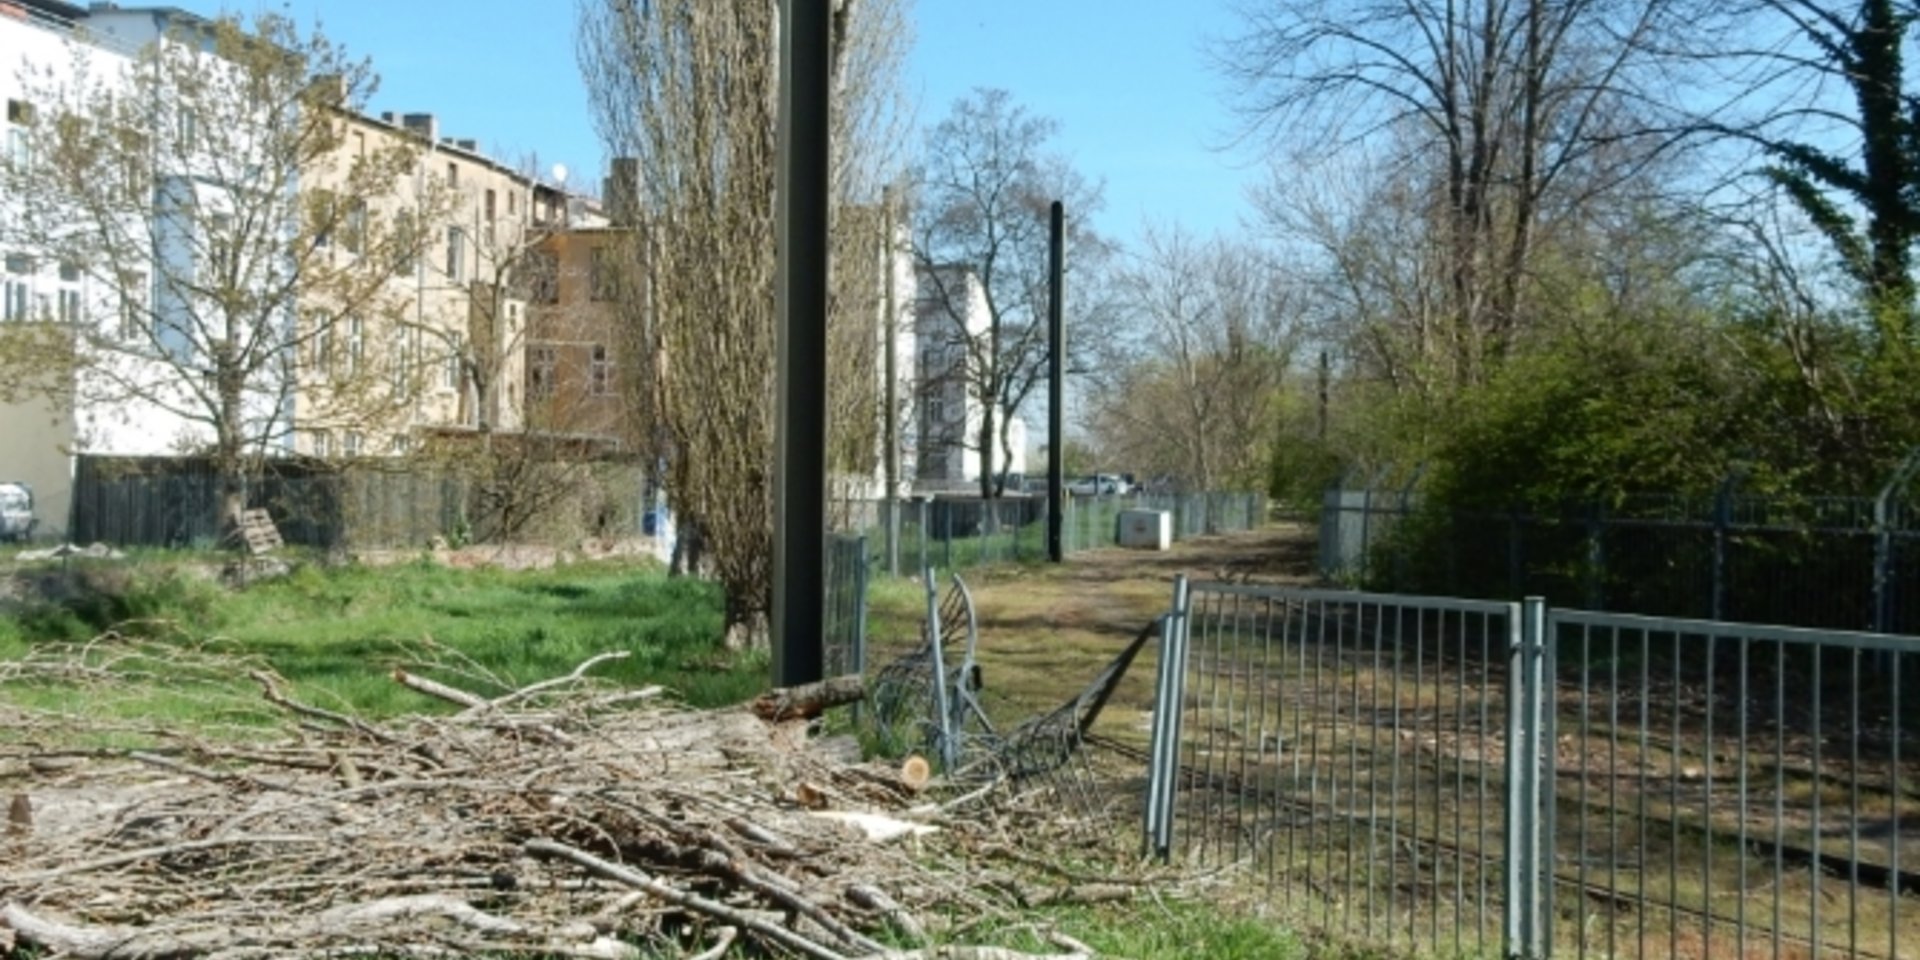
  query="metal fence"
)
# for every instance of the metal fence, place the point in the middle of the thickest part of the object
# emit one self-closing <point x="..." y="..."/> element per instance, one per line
<point x="1469" y="778"/>
<point x="844" y="633"/>
<point x="174" y="502"/>
<point x="1843" y="562"/>
<point x="958" y="533"/>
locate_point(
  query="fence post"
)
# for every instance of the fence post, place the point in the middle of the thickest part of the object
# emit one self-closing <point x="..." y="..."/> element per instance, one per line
<point x="1722" y="518"/>
<point x="1528" y="798"/>
<point x="1163" y="754"/>
<point x="1595" y="578"/>
<point x="860" y="615"/>
<point x="893" y="534"/>
<point x="1886" y="516"/>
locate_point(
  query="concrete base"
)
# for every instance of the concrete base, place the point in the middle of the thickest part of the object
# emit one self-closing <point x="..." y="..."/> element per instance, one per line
<point x="1146" y="529"/>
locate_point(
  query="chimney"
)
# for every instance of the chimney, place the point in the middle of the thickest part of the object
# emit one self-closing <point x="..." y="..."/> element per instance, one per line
<point x="390" y="118"/>
<point x="423" y="124"/>
<point x="622" y="192"/>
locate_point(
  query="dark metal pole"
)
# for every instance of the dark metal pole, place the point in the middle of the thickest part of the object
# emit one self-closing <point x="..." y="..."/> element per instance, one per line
<point x="800" y="446"/>
<point x="1056" y="383"/>
<point x="889" y="342"/>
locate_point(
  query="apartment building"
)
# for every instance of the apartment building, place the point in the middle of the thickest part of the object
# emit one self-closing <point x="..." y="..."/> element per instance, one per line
<point x="447" y="351"/>
<point x="579" y="362"/>
<point x="948" y="414"/>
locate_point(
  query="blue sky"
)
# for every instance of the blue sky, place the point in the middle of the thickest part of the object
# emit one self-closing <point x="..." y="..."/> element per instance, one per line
<point x="1127" y="81"/>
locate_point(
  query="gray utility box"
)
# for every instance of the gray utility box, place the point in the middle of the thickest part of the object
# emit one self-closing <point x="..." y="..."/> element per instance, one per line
<point x="1146" y="529"/>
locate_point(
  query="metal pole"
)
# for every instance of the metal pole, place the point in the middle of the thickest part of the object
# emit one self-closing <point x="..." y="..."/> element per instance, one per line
<point x="1056" y="382"/>
<point x="800" y="469"/>
<point x="888" y="346"/>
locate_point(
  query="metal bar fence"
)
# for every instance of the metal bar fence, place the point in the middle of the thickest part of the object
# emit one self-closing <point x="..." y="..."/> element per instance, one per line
<point x="844" y="647"/>
<point x="960" y="533"/>
<point x="1469" y="778"/>
<point x="1850" y="563"/>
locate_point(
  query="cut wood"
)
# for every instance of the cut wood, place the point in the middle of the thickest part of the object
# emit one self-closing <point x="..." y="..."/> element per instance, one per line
<point x="915" y="772"/>
<point x="809" y="700"/>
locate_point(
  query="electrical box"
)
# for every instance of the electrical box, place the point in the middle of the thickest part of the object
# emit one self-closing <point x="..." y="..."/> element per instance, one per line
<point x="1146" y="529"/>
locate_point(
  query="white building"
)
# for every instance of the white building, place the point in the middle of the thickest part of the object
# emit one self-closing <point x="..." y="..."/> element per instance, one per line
<point x="948" y="415"/>
<point x="43" y="297"/>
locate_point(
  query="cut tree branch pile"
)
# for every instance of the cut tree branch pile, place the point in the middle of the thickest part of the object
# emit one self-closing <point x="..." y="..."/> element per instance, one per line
<point x="564" y="818"/>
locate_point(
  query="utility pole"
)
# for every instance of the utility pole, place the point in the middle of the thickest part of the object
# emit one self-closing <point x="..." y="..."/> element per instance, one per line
<point x="889" y="340"/>
<point x="800" y="444"/>
<point x="1056" y="382"/>
<point x="1326" y="377"/>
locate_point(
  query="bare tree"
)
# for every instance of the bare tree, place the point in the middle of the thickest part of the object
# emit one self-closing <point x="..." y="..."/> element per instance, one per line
<point x="181" y="190"/>
<point x="688" y="88"/>
<point x="986" y="185"/>
<point x="1517" y="110"/>
<point x="1195" y="389"/>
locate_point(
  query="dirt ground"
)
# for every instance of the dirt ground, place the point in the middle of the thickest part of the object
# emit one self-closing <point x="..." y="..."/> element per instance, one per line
<point x="1045" y="631"/>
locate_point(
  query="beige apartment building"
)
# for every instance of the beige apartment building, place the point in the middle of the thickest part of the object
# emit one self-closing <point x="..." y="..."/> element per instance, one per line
<point x="447" y="353"/>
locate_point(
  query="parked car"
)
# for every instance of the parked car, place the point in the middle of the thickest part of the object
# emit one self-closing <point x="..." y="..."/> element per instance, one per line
<point x="1101" y="484"/>
<point x="16" y="512"/>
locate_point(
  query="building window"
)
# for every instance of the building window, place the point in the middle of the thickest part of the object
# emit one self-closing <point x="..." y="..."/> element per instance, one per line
<point x="352" y="447"/>
<point x="605" y="276"/>
<point x="513" y="204"/>
<point x="450" y="374"/>
<point x="13" y="299"/>
<point x="69" y="272"/>
<point x="540" y="370"/>
<point x="19" y="263"/>
<point x="542" y="271"/>
<point x="406" y="242"/>
<point x="600" y="372"/>
<point x="397" y="364"/>
<point x="20" y="113"/>
<point x="489" y="213"/>
<point x="187" y="128"/>
<point x="69" y="305"/>
<point x="453" y="176"/>
<point x="133" y="306"/>
<point x="322" y="443"/>
<point x="323" y="347"/>
<point x="456" y="253"/>
<point x="356" y="345"/>
<point x="936" y="411"/>
<point x="400" y="445"/>
<point x="356" y="232"/>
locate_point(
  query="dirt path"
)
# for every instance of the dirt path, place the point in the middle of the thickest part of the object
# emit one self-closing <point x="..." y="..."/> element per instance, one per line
<point x="1046" y="631"/>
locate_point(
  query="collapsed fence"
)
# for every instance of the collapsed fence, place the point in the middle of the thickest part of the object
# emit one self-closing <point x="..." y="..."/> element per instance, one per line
<point x="1477" y="778"/>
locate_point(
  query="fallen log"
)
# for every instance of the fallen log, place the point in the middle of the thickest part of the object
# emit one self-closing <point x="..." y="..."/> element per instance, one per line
<point x="807" y="701"/>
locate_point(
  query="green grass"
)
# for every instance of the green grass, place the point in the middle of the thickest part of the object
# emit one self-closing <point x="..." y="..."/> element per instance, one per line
<point x="336" y="633"/>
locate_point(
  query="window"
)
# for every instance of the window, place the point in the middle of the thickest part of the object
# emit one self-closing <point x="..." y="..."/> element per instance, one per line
<point x="600" y="373"/>
<point x="604" y="277"/>
<point x="400" y="445"/>
<point x="186" y="129"/>
<point x="359" y="144"/>
<point x="20" y="113"/>
<point x="321" y="209"/>
<point x="19" y="263"/>
<point x="513" y="204"/>
<point x="19" y="151"/>
<point x="356" y="345"/>
<point x="352" y="446"/>
<point x="322" y="443"/>
<point x="936" y="414"/>
<point x="542" y="277"/>
<point x="13" y="299"/>
<point x="133" y="307"/>
<point x="397" y="364"/>
<point x="456" y="253"/>
<point x="220" y="249"/>
<point x="323" y="347"/>
<point x="540" y="369"/>
<point x="69" y="272"/>
<point x="69" y="305"/>
<point x="406" y="241"/>
<point x="453" y="176"/>
<point x="450" y="375"/>
<point x="356" y="232"/>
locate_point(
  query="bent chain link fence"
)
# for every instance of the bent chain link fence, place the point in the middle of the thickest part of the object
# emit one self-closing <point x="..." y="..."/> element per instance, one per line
<point x="1499" y="779"/>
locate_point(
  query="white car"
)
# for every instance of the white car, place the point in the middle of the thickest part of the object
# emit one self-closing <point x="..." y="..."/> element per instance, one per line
<point x="1094" y="486"/>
